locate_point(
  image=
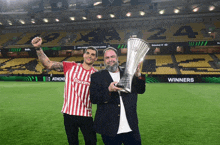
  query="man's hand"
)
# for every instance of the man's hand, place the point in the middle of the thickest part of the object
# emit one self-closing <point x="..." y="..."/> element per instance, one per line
<point x="113" y="88"/>
<point x="36" y="42"/>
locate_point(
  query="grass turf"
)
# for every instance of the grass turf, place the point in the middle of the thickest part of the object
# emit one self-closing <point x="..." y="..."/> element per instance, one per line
<point x="169" y="114"/>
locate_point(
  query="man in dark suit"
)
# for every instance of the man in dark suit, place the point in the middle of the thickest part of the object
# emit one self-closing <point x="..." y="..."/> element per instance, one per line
<point x="116" y="116"/>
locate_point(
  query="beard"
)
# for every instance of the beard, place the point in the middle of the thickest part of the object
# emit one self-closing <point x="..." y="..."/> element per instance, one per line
<point x="112" y="68"/>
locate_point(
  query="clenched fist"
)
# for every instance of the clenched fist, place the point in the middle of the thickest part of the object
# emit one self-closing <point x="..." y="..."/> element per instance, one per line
<point x="36" y="42"/>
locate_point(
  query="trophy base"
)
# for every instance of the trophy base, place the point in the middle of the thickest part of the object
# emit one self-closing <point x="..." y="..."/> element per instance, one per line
<point x="120" y="86"/>
<point x="124" y="89"/>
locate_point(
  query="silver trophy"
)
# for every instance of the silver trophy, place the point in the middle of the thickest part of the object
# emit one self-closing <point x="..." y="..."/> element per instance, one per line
<point x="137" y="49"/>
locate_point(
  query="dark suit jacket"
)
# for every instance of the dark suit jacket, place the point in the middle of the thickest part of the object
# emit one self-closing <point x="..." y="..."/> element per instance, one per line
<point x="108" y="103"/>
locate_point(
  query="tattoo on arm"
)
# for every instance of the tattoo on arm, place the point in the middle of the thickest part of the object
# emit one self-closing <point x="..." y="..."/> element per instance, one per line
<point x="43" y="58"/>
<point x="58" y="66"/>
<point x="52" y="65"/>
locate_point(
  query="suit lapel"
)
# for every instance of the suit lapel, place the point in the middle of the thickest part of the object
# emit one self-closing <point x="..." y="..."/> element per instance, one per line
<point x="107" y="77"/>
<point x="121" y="72"/>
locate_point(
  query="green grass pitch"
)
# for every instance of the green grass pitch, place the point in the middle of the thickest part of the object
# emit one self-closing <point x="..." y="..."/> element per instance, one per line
<point x="169" y="114"/>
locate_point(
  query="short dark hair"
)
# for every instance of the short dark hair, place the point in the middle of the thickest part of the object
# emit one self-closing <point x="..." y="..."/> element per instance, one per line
<point x="93" y="48"/>
<point x="110" y="48"/>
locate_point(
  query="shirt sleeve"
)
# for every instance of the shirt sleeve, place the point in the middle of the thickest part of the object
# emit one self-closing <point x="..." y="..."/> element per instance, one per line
<point x="67" y="66"/>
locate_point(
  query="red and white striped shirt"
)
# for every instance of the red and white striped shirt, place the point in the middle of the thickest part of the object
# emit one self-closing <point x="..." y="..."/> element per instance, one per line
<point x="76" y="90"/>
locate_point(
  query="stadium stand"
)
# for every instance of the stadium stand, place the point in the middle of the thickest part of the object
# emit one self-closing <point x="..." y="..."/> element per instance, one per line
<point x="2" y="60"/>
<point x="196" y="64"/>
<point x="8" y="37"/>
<point x="56" y="58"/>
<point x="187" y="64"/>
<point x="218" y="55"/>
<point x="160" y="59"/>
<point x="122" y="59"/>
<point x="194" y="60"/>
<point x="53" y="39"/>
<point x="77" y="59"/>
<point x="25" y="38"/>
<point x="21" y="66"/>
<point x="2" y="63"/>
<point x="164" y="64"/>
<point x="17" y="62"/>
<point x="164" y="70"/>
<point x="98" y="65"/>
<point x="39" y="67"/>
<point x="80" y="40"/>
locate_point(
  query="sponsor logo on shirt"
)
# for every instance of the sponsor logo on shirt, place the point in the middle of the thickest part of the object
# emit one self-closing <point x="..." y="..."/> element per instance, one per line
<point x="81" y="82"/>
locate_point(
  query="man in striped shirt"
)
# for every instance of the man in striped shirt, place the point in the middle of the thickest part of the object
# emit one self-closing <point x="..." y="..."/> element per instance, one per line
<point x="77" y="108"/>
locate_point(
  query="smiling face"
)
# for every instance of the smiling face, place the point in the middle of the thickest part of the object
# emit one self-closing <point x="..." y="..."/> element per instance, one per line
<point x="110" y="57"/>
<point x="89" y="56"/>
<point x="111" y="60"/>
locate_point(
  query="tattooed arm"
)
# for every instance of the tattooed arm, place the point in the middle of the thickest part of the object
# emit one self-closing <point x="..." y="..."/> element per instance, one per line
<point x="52" y="65"/>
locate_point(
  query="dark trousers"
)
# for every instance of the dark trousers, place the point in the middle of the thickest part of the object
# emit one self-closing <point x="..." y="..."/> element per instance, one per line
<point x="73" y="123"/>
<point x="130" y="138"/>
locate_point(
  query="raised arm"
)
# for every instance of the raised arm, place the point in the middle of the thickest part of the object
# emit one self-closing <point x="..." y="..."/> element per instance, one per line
<point x="52" y="65"/>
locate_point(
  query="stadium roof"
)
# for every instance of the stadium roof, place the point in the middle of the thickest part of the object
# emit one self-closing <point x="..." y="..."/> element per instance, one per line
<point x="17" y="14"/>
